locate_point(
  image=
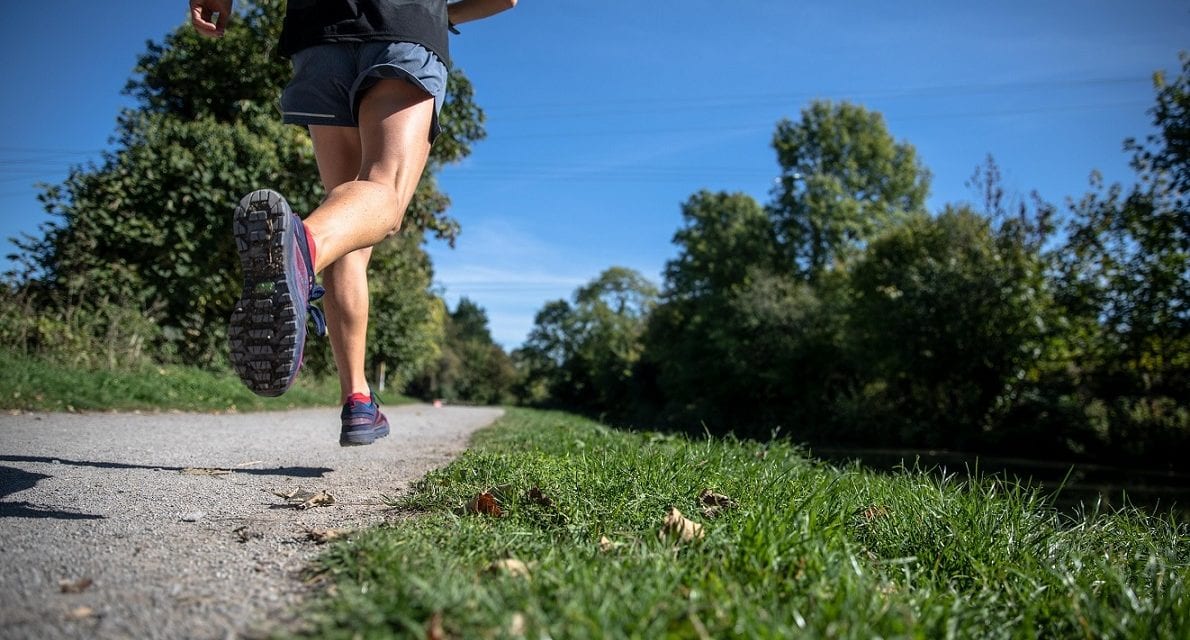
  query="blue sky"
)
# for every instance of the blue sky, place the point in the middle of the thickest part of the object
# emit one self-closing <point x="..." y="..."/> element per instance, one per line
<point x="603" y="117"/>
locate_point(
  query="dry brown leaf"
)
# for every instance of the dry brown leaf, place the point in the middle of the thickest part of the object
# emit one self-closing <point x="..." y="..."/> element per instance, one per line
<point x="678" y="528"/>
<point x="538" y="497"/>
<point x="80" y="613"/>
<point x="320" y="499"/>
<point x="606" y="545"/>
<point x="434" y="630"/>
<point x="485" y="504"/>
<point x="714" y="504"/>
<point x="302" y="499"/>
<point x="510" y="566"/>
<point x="323" y="536"/>
<point x="709" y="498"/>
<point x="78" y="585"/>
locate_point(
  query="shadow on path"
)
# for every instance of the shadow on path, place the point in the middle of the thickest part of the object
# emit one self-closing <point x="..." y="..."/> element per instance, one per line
<point x="293" y="472"/>
<point x="13" y="480"/>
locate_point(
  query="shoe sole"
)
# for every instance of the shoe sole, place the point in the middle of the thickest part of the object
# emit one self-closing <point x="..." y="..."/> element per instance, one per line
<point x="264" y="330"/>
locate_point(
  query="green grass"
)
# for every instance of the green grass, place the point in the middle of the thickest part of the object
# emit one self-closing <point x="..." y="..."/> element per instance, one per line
<point x="810" y="551"/>
<point x="34" y="384"/>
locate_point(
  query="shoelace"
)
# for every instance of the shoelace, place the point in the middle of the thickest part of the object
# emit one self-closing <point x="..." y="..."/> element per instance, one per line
<point x="316" y="292"/>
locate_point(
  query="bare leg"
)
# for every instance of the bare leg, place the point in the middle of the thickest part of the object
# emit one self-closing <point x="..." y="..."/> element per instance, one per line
<point x="394" y="131"/>
<point x="369" y="174"/>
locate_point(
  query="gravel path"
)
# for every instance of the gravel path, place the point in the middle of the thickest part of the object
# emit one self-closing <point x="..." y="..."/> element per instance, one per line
<point x="170" y="554"/>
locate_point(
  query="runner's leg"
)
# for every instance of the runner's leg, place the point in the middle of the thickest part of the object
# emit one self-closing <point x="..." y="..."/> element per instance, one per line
<point x="370" y="175"/>
<point x="337" y="150"/>
<point x="394" y="126"/>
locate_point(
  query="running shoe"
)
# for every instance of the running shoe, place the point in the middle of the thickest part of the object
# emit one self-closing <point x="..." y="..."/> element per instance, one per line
<point x="363" y="422"/>
<point x="267" y="333"/>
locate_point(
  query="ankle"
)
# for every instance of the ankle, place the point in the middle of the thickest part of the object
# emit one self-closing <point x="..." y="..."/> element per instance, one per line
<point x="363" y="397"/>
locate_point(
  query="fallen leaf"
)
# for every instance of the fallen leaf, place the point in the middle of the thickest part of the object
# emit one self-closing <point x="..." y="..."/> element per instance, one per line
<point x="709" y="498"/>
<point x="204" y="471"/>
<point x="538" y="497"/>
<point x="516" y="626"/>
<point x="80" y="613"/>
<point x="193" y="516"/>
<point x="78" y="585"/>
<point x="678" y="528"/>
<point x="606" y="545"/>
<point x="485" y="504"/>
<point x="306" y="499"/>
<point x="510" y="566"/>
<point x="323" y="536"/>
<point x="714" y="504"/>
<point x="434" y="630"/>
<point x="320" y="499"/>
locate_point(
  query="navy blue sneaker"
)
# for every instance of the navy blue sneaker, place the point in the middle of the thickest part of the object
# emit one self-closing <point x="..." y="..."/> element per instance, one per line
<point x="363" y="422"/>
<point x="267" y="333"/>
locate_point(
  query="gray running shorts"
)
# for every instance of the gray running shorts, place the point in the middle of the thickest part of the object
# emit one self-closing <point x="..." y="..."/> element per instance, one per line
<point x="329" y="80"/>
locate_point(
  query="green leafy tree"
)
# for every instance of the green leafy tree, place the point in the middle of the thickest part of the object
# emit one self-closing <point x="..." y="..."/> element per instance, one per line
<point x="949" y="317"/>
<point x="843" y="180"/>
<point x="584" y="355"/>
<point x="693" y="355"/>
<point x="1123" y="285"/>
<point x="472" y="368"/>
<point x="149" y="225"/>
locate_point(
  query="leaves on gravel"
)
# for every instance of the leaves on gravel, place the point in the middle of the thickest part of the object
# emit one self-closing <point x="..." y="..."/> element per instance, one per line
<point x="678" y="528"/>
<point x="77" y="585"/>
<point x="302" y="499"/>
<point x="323" y="536"/>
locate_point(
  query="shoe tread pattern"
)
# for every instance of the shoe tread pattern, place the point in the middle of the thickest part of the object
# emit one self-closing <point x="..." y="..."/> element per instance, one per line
<point x="263" y="331"/>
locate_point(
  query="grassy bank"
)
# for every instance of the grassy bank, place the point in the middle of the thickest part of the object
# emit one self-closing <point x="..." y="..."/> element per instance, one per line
<point x="33" y="384"/>
<point x="807" y="550"/>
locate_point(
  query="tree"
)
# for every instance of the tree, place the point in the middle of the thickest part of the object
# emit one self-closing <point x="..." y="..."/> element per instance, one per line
<point x="1123" y="283"/>
<point x="843" y="180"/>
<point x="584" y="356"/>
<point x="471" y="367"/>
<point x="949" y="317"/>
<point x="149" y="225"/>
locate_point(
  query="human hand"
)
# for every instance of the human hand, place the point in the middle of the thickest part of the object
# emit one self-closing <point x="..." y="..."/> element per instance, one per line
<point x="210" y="17"/>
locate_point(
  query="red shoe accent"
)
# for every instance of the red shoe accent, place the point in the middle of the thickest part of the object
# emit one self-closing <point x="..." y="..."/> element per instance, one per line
<point x="360" y="398"/>
<point x="310" y="244"/>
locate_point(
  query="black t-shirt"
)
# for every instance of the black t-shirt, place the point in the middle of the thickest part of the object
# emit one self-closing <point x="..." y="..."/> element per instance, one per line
<point x="311" y="22"/>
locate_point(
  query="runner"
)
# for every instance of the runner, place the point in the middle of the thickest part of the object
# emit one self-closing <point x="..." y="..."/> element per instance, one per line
<point x="369" y="80"/>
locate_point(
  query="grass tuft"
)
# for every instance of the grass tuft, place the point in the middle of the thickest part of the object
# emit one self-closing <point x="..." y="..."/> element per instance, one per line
<point x="35" y="384"/>
<point x="809" y="550"/>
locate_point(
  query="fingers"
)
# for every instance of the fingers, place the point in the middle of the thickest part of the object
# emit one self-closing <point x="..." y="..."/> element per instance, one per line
<point x="210" y="17"/>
